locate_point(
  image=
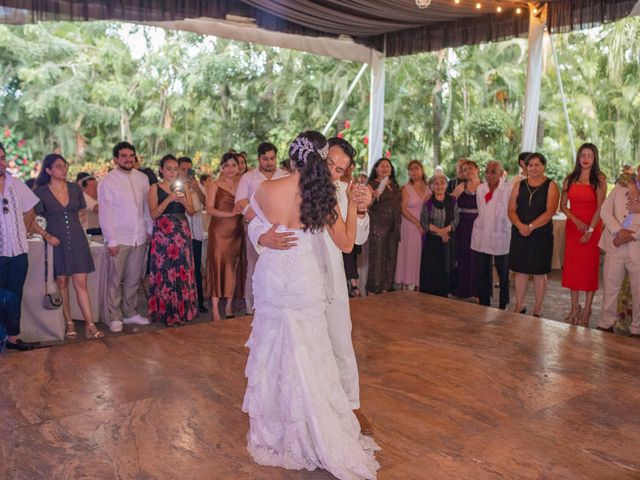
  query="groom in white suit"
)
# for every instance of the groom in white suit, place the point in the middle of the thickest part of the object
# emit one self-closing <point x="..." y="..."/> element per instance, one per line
<point x="621" y="242"/>
<point x="340" y="158"/>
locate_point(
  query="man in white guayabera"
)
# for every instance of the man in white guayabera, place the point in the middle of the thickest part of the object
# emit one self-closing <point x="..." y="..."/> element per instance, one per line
<point x="267" y="170"/>
<point x="340" y="157"/>
<point x="126" y="226"/>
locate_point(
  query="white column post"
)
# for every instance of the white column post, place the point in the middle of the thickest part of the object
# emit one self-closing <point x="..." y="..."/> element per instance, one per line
<point x="534" y="77"/>
<point x="345" y="98"/>
<point x="376" y="108"/>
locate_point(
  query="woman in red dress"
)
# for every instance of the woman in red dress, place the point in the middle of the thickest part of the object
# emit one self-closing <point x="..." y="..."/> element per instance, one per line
<point x="583" y="192"/>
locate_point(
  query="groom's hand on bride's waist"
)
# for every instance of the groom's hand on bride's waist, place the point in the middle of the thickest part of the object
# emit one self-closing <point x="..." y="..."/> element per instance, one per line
<point x="277" y="240"/>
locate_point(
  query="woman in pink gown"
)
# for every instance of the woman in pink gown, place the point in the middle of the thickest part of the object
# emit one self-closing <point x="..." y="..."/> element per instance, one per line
<point x="414" y="194"/>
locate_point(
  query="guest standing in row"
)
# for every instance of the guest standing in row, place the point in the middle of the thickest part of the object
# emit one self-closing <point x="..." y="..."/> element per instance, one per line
<point x="198" y="200"/>
<point x="126" y="226"/>
<point x="459" y="178"/>
<point x="350" y="259"/>
<point x="90" y="192"/>
<point x="625" y="298"/>
<point x="61" y="204"/>
<point x="532" y="205"/>
<point x="242" y="163"/>
<point x="17" y="217"/>
<point x="522" y="164"/>
<point x="243" y="264"/>
<point x="465" y="275"/>
<point x="225" y="235"/>
<point x="173" y="297"/>
<point x="583" y="192"/>
<point x="249" y="183"/>
<point x="413" y="196"/>
<point x="491" y="234"/>
<point x="620" y="241"/>
<point x="384" y="235"/>
<point x="439" y="219"/>
<point x="153" y="179"/>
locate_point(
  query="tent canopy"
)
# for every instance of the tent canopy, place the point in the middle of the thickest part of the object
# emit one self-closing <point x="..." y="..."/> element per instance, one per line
<point x="396" y="27"/>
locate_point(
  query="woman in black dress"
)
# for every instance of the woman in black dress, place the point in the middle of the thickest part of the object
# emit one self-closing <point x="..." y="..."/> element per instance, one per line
<point x="61" y="204"/>
<point x="384" y="227"/>
<point x="532" y="205"/>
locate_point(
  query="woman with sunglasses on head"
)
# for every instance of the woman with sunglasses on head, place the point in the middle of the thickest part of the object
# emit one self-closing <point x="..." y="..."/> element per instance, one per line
<point x="61" y="204"/>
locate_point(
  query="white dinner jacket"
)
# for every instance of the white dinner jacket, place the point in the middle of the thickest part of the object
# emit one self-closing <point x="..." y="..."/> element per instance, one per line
<point x="613" y="212"/>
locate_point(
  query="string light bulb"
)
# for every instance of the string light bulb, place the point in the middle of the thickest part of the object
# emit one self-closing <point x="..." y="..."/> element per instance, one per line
<point x="499" y="9"/>
<point x="535" y="11"/>
<point x="518" y="11"/>
<point x="478" y="5"/>
<point x="456" y="2"/>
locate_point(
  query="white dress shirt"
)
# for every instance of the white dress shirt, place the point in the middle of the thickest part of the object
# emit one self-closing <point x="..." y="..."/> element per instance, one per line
<point x="124" y="208"/>
<point x="491" y="232"/>
<point x="195" y="220"/>
<point x="90" y="220"/>
<point x="13" y="233"/>
<point x="250" y="181"/>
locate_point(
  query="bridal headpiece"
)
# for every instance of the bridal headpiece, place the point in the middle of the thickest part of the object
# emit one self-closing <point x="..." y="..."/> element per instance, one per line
<point x="302" y="147"/>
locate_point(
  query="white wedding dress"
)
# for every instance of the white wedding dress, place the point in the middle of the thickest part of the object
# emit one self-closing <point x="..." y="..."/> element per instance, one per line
<point x="299" y="415"/>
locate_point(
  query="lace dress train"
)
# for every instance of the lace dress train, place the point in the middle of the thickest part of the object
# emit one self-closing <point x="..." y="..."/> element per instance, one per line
<point x="300" y="417"/>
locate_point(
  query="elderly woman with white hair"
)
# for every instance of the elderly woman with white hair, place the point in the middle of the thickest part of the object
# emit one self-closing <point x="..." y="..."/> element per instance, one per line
<point x="439" y="219"/>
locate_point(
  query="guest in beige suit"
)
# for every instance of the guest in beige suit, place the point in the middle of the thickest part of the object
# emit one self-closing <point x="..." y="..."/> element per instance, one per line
<point x="622" y="254"/>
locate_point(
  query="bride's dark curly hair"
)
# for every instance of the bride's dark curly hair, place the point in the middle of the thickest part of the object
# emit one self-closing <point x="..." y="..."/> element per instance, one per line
<point x="318" y="193"/>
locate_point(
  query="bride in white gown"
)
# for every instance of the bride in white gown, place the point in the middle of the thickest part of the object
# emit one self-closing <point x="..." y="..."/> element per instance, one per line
<point x="299" y="414"/>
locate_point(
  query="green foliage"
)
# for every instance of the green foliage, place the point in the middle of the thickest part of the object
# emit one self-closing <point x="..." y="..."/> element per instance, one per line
<point x="78" y="88"/>
<point x="17" y="154"/>
<point x="490" y="127"/>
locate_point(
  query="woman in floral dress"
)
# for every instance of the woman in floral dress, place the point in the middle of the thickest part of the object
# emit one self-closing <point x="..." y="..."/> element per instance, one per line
<point x="173" y="298"/>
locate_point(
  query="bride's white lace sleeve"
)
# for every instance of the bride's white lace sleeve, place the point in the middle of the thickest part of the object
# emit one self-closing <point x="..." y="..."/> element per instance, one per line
<point x="254" y="230"/>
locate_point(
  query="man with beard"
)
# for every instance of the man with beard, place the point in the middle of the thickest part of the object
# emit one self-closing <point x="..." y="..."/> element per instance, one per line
<point x="126" y="226"/>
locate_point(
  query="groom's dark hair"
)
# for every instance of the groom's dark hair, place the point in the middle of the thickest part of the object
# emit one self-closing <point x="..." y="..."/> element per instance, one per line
<point x="345" y="146"/>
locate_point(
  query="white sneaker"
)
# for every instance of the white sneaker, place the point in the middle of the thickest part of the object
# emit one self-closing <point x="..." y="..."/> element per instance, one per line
<point x="136" y="320"/>
<point x="115" y="326"/>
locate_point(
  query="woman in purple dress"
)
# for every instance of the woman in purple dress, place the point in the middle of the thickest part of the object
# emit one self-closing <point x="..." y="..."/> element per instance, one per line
<point x="414" y="194"/>
<point x="466" y="276"/>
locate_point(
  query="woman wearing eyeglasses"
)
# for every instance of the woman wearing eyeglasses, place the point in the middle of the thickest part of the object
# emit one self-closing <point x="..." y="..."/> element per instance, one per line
<point x="61" y="204"/>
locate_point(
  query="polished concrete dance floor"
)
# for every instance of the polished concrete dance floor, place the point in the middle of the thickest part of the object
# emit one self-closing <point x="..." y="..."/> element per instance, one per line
<point x="454" y="391"/>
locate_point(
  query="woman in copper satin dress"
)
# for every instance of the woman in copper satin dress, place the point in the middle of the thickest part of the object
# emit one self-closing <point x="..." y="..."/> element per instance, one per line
<point x="225" y="235"/>
<point x="583" y="192"/>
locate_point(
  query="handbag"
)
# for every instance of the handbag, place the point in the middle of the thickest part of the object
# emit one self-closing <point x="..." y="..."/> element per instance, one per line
<point x="52" y="298"/>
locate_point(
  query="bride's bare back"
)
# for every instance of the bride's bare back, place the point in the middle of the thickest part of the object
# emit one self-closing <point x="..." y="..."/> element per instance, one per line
<point x="279" y="200"/>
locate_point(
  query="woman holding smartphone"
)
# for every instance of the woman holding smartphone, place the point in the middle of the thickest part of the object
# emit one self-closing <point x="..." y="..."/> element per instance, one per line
<point x="172" y="295"/>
